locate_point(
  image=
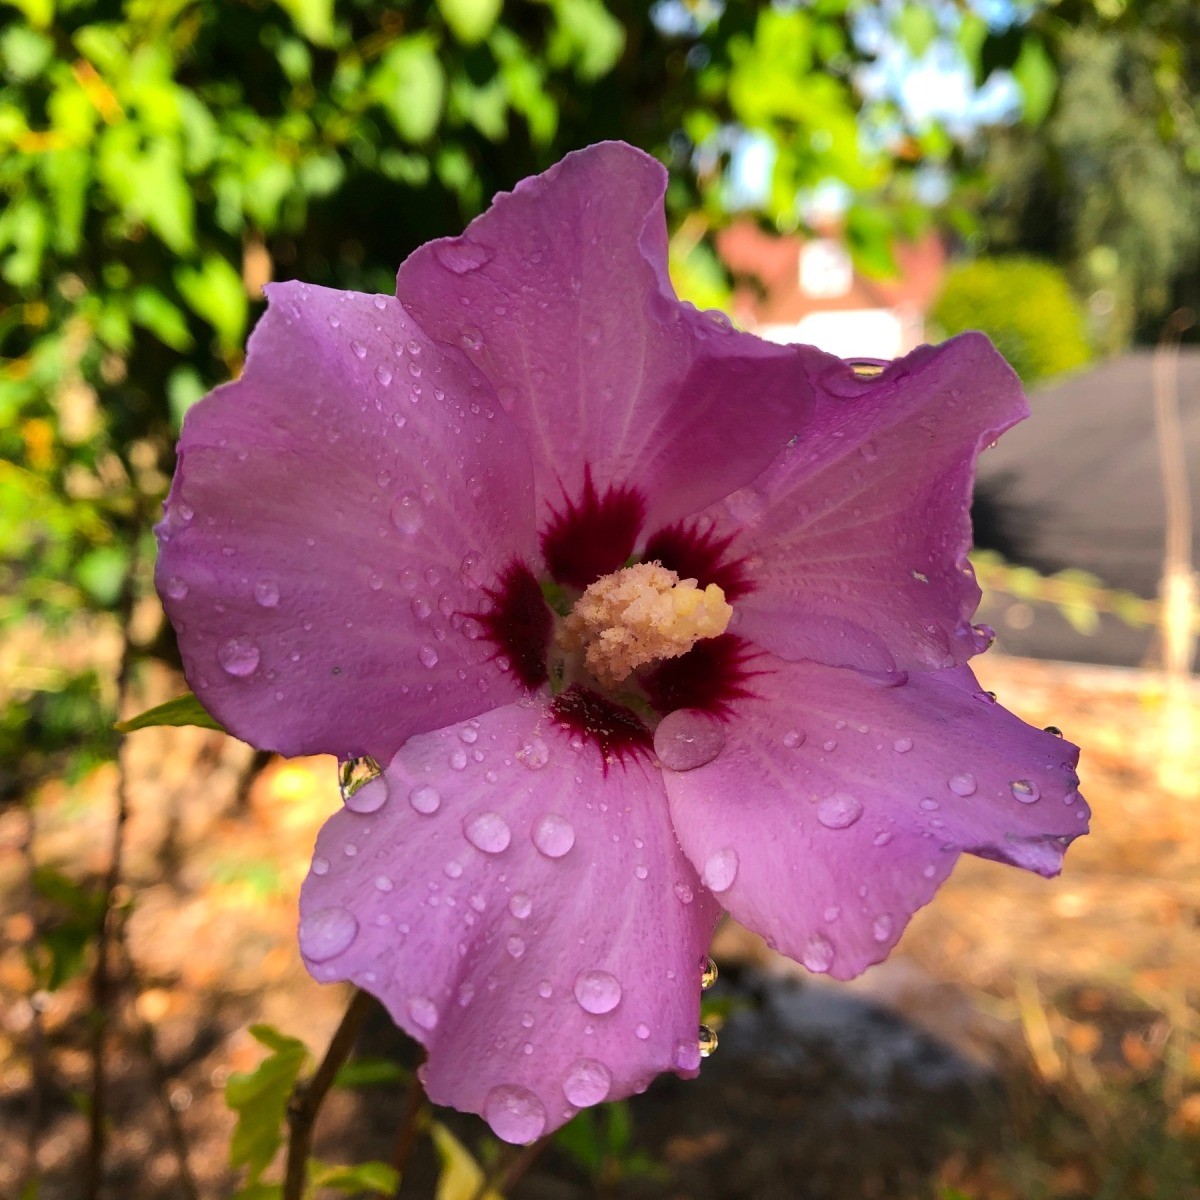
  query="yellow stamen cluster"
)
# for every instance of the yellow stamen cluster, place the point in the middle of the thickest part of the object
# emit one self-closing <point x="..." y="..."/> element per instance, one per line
<point x="638" y="615"/>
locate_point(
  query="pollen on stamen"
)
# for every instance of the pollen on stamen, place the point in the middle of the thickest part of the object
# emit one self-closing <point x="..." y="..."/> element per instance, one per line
<point x="639" y="615"/>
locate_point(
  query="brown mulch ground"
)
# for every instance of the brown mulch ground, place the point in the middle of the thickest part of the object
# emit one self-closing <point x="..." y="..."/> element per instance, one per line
<point x="1083" y="989"/>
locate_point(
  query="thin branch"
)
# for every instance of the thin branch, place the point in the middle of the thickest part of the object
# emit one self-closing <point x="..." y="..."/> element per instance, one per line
<point x="309" y="1095"/>
<point x="511" y="1169"/>
<point x="409" y="1130"/>
<point x="102" y="979"/>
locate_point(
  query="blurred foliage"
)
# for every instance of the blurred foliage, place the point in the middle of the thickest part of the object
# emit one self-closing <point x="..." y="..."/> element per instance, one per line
<point x="1026" y="307"/>
<point x="1108" y="186"/>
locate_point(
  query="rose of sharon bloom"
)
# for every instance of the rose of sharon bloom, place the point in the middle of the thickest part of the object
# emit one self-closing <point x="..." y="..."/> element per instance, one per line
<point x="644" y="617"/>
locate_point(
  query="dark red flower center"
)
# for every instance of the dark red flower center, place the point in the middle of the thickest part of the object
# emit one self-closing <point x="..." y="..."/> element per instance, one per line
<point x="591" y="536"/>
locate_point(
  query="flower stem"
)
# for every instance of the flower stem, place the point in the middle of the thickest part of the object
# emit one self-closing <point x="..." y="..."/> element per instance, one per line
<point x="309" y="1095"/>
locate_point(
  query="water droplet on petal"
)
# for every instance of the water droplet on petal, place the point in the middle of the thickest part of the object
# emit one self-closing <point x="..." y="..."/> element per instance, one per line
<point x="687" y="739"/>
<point x="720" y="870"/>
<point x="320" y="866"/>
<point x="597" y="991"/>
<point x="458" y="759"/>
<point x="962" y="784"/>
<point x="238" y="656"/>
<point x="520" y="906"/>
<point x="487" y="831"/>
<point x="428" y="656"/>
<point x="425" y="799"/>
<point x="406" y="513"/>
<point x="535" y="754"/>
<point x="817" y="954"/>
<point x="587" y="1082"/>
<point x="516" y="946"/>
<point x="642" y="1032"/>
<point x="356" y="773"/>
<point x="1054" y="730"/>
<point x="839" y="810"/>
<point x="708" y="974"/>
<point x="683" y="893"/>
<point x="553" y="835"/>
<point x="881" y="929"/>
<point x="423" y="1012"/>
<point x="707" y="1040"/>
<point x="175" y="588"/>
<point x="545" y="989"/>
<point x="793" y="738"/>
<point x="687" y="1055"/>
<point x="266" y="593"/>
<point x="902" y="745"/>
<point x="1025" y="790"/>
<point x="326" y="933"/>
<point x="515" y="1114"/>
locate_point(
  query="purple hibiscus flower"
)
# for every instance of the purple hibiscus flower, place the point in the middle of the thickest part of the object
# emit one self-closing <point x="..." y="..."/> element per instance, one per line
<point x="644" y="617"/>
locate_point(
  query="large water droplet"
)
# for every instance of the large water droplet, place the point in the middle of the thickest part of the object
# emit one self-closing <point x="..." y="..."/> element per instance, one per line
<point x="428" y="656"/>
<point x="487" y="831"/>
<point x="238" y="656"/>
<point x="514" y="1113"/>
<point x="326" y="933"/>
<point x="535" y="754"/>
<point x="423" y="1012"/>
<point x="353" y="775"/>
<point x="720" y="870"/>
<point x="461" y="255"/>
<point x="1025" y="790"/>
<point x="425" y="799"/>
<point x="597" y="991"/>
<point x="707" y="1040"/>
<point x="839" y="810"/>
<point x="520" y="906"/>
<point x="553" y="835"/>
<point x="587" y="1082"/>
<point x="687" y="739"/>
<point x="902" y="745"/>
<point x="817" y="954"/>
<point x="708" y="974"/>
<point x="687" y="1054"/>
<point x="962" y="784"/>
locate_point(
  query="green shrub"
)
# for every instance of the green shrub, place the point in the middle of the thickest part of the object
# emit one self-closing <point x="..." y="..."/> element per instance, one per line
<point x="1025" y="306"/>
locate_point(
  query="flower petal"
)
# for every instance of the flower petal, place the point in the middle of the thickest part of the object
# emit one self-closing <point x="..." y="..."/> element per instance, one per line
<point x="519" y="912"/>
<point x="856" y="537"/>
<point x="839" y="804"/>
<point x="335" y="512"/>
<point x="560" y="294"/>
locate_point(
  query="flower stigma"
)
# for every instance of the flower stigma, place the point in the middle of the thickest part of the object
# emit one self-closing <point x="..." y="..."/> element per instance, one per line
<point x="639" y="615"/>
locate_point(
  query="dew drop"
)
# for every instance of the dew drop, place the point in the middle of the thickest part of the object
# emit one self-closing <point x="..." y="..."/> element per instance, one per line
<point x="1054" y="730"/>
<point x="425" y="799"/>
<point x="545" y="989"/>
<point x="266" y="593"/>
<point x="423" y="1012"/>
<point x="383" y="374"/>
<point x="520" y="906"/>
<point x="238" y="656"/>
<point x="817" y="954"/>
<point x="839" y="811"/>
<point x="1025" y="790"/>
<point x="707" y="1040"/>
<point x="487" y="831"/>
<point x="553" y="835"/>
<point x="687" y="739"/>
<point x="535" y="754"/>
<point x="406" y="513"/>
<point x="428" y="656"/>
<point x="597" y="991"/>
<point x="458" y="759"/>
<point x="793" y="738"/>
<point x="962" y="784"/>
<point x="881" y="928"/>
<point x="354" y="774"/>
<point x="902" y="745"/>
<point x="708" y="974"/>
<point x="683" y="893"/>
<point x="516" y="947"/>
<point x="687" y="1055"/>
<point x="320" y="866"/>
<point x="720" y="870"/>
<point x="515" y="1114"/>
<point x="587" y="1082"/>
<point x="642" y="1032"/>
<point x="327" y="933"/>
<point x="175" y="588"/>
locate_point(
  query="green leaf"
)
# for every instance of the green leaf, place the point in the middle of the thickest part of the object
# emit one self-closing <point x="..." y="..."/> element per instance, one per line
<point x="1037" y="78"/>
<point x="215" y="293"/>
<point x="101" y="573"/>
<point x="470" y="20"/>
<point x="377" y="1177"/>
<point x="153" y="311"/>
<point x="461" y="1176"/>
<point x="183" y="710"/>
<point x="314" y="18"/>
<point x="260" y="1098"/>
<point x="370" y="1072"/>
<point x="917" y="26"/>
<point x="585" y="34"/>
<point x="410" y="85"/>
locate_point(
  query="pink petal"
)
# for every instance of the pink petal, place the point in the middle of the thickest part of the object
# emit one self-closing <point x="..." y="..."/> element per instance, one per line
<point x="529" y="919"/>
<point x="838" y="804"/>
<point x="560" y="294"/>
<point x="335" y="512"/>
<point x="856" y="537"/>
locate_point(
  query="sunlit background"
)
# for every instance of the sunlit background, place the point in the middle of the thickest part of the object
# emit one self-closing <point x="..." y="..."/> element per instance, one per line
<point x="865" y="175"/>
